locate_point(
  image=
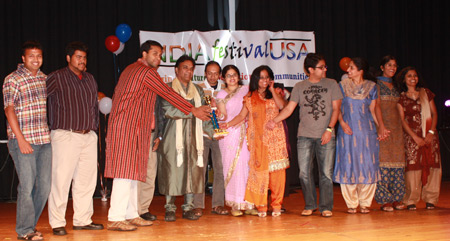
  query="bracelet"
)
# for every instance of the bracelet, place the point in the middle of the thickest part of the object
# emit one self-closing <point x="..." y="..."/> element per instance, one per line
<point x="221" y="117"/>
<point x="431" y="132"/>
<point x="330" y="129"/>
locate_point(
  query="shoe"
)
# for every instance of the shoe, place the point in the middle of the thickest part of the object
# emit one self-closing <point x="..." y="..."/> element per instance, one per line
<point x="170" y="216"/>
<point x="387" y="207"/>
<point x="31" y="236"/>
<point x="92" y="226"/>
<point x="351" y="210"/>
<point x="198" y="212"/>
<point x="252" y="212"/>
<point x="327" y="213"/>
<point x="60" y="231"/>
<point x="398" y="205"/>
<point x="262" y="214"/>
<point x="307" y="212"/>
<point x="411" y="207"/>
<point x="139" y="222"/>
<point x="283" y="210"/>
<point x="236" y="213"/>
<point x="276" y="212"/>
<point x="120" y="226"/>
<point x="430" y="206"/>
<point x="365" y="210"/>
<point x="148" y="216"/>
<point x="190" y="215"/>
<point x="219" y="210"/>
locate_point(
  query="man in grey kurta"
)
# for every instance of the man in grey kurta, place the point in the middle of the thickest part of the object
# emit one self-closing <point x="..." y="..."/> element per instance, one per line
<point x="180" y="167"/>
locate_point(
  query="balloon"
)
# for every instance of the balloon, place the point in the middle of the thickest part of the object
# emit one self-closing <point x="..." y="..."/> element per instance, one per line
<point x="121" y="47"/>
<point x="100" y="96"/>
<point x="344" y="63"/>
<point x="105" y="105"/>
<point x="123" y="32"/>
<point x="344" y="76"/>
<point x="112" y="43"/>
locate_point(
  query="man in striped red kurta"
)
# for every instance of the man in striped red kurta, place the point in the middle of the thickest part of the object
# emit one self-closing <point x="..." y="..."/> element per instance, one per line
<point x="129" y="133"/>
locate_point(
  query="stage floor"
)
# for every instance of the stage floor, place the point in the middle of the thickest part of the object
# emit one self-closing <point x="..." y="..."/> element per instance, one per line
<point x="378" y="225"/>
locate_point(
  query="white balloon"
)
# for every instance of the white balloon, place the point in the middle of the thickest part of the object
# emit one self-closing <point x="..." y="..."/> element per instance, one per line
<point x="344" y="76"/>
<point x="120" y="49"/>
<point x="105" y="105"/>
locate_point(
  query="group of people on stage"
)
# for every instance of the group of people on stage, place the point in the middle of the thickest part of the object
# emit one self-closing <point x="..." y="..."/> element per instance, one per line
<point x="386" y="145"/>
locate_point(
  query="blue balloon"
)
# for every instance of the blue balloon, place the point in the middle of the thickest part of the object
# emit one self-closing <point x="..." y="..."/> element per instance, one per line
<point x="123" y="32"/>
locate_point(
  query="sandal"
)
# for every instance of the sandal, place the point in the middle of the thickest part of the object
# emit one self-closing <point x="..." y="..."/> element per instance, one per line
<point x="430" y="206"/>
<point x="262" y="214"/>
<point x="219" y="210"/>
<point x="365" y="210"/>
<point x="276" y="212"/>
<point x="351" y="210"/>
<point x="236" y="213"/>
<point x="398" y="205"/>
<point x="387" y="207"/>
<point x="31" y="236"/>
<point x="327" y="214"/>
<point x="198" y="212"/>
<point x="411" y="207"/>
<point x="253" y="212"/>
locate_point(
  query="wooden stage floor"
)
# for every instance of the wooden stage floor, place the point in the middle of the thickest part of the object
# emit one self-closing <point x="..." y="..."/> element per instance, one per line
<point x="378" y="225"/>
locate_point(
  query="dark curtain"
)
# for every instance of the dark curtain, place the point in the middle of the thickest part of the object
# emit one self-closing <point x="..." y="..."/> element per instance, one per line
<point x="416" y="32"/>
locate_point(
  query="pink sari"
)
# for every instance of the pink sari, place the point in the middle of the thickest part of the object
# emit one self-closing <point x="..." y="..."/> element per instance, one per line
<point x="235" y="154"/>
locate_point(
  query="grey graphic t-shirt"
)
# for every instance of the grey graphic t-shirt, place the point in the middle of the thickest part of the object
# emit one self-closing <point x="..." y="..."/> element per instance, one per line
<point x="315" y="101"/>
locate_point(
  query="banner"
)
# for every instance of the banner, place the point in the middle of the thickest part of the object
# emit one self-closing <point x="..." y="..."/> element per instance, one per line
<point x="284" y="52"/>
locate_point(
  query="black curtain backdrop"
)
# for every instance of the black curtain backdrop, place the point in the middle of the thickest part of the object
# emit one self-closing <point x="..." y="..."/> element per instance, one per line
<point x="416" y="32"/>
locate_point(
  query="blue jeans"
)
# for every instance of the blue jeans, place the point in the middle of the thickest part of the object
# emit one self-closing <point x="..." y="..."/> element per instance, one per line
<point x="34" y="172"/>
<point x="307" y="149"/>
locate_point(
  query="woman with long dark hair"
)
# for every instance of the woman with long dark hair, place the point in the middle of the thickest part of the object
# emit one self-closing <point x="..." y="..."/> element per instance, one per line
<point x="419" y="119"/>
<point x="356" y="166"/>
<point x="391" y="187"/>
<point x="268" y="154"/>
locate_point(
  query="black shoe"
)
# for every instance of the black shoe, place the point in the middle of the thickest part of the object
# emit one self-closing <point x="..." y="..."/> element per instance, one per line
<point x="92" y="226"/>
<point x="60" y="231"/>
<point x="282" y="210"/>
<point x="148" y="216"/>
<point x="190" y="215"/>
<point x="170" y="216"/>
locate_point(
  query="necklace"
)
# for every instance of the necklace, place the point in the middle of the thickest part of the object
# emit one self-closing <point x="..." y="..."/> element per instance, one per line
<point x="412" y="94"/>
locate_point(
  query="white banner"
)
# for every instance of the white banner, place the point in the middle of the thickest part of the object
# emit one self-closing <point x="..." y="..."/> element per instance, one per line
<point x="284" y="52"/>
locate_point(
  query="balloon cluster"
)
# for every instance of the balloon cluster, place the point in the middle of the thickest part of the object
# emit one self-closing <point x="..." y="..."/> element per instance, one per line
<point x="104" y="103"/>
<point x="116" y="43"/>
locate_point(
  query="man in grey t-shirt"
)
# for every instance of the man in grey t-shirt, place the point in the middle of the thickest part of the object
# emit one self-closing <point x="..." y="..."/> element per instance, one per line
<point x="319" y="99"/>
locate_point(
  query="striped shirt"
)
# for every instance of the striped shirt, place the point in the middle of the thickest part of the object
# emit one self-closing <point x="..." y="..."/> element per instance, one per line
<point x="128" y="139"/>
<point x="28" y="95"/>
<point x="72" y="102"/>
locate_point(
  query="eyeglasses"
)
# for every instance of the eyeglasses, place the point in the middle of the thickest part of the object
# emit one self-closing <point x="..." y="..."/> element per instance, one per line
<point x="321" y="67"/>
<point x="229" y="76"/>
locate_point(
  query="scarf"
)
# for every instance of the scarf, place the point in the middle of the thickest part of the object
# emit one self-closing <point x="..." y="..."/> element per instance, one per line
<point x="192" y="94"/>
<point x="427" y="157"/>
<point x="385" y="79"/>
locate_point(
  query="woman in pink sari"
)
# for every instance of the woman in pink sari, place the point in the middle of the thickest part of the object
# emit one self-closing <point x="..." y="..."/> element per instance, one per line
<point x="235" y="154"/>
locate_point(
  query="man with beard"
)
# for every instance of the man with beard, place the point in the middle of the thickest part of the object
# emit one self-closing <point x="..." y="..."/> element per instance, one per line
<point x="73" y="117"/>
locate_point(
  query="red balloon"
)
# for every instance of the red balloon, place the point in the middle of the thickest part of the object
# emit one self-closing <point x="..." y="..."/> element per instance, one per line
<point x="344" y="63"/>
<point x="112" y="43"/>
<point x="100" y="95"/>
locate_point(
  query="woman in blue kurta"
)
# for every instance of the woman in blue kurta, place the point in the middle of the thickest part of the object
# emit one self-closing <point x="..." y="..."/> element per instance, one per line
<point x="357" y="163"/>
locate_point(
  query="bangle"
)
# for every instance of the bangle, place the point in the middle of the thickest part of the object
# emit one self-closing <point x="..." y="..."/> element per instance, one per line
<point x="221" y="117"/>
<point x="330" y="129"/>
<point x="431" y="132"/>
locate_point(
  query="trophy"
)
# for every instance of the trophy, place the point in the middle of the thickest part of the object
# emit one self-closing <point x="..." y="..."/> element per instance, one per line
<point x="217" y="131"/>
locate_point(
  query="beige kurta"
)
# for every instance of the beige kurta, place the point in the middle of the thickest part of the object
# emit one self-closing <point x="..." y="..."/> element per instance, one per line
<point x="188" y="178"/>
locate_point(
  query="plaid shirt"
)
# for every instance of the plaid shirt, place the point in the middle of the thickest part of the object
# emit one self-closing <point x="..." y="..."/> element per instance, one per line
<point x="28" y="95"/>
